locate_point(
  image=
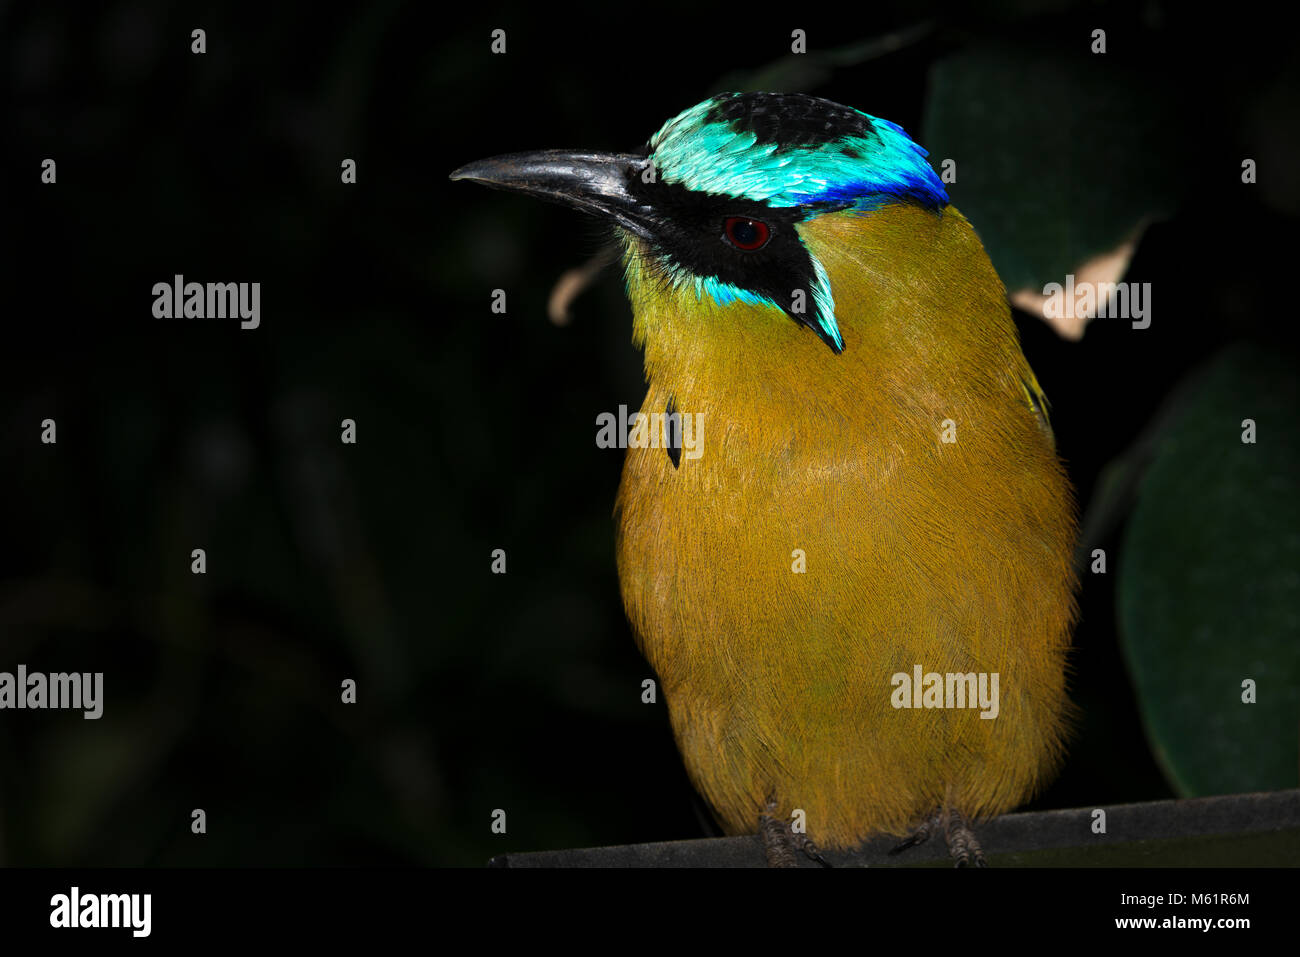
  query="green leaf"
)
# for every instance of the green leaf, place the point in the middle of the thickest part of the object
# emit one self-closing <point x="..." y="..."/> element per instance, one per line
<point x="1209" y="588"/>
<point x="1060" y="155"/>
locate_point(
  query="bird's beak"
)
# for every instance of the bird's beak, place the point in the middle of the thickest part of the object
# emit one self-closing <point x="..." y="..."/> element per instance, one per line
<point x="598" y="183"/>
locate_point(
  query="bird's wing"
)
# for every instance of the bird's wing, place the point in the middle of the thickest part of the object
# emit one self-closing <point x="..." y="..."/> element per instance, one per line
<point x="1037" y="400"/>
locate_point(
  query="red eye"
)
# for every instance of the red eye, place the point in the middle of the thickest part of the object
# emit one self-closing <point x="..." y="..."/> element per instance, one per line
<point x="746" y="234"/>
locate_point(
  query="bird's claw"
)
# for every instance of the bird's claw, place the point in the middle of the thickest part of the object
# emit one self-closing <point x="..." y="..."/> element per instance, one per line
<point x="963" y="846"/>
<point x="780" y="843"/>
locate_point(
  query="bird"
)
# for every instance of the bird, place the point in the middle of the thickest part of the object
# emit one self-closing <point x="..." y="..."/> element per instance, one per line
<point x="876" y="528"/>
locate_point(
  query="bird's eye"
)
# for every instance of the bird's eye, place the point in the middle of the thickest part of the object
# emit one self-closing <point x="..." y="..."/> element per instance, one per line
<point x="746" y="234"/>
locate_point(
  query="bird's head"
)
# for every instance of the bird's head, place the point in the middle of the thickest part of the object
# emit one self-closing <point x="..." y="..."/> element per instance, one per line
<point x="714" y="205"/>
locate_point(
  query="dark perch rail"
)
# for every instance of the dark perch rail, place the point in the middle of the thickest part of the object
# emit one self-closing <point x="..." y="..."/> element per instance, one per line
<point x="1235" y="830"/>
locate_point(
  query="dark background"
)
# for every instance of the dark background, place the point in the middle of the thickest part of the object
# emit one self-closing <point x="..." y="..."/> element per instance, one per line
<point x="475" y="430"/>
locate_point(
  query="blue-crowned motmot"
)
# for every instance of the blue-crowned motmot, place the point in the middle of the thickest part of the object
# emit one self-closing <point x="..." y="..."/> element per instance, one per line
<point x="858" y="597"/>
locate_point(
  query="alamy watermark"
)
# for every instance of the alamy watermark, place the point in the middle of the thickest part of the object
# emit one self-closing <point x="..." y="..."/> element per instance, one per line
<point x="179" y="299"/>
<point x="129" y="911"/>
<point x="1114" y="300"/>
<point x="950" y="690"/>
<point x="652" y="430"/>
<point x="78" y="691"/>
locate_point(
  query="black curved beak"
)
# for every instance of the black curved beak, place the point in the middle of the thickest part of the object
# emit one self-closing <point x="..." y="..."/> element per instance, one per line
<point x="601" y="184"/>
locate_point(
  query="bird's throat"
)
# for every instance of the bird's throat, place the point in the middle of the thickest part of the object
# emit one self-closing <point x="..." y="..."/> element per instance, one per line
<point x="916" y="298"/>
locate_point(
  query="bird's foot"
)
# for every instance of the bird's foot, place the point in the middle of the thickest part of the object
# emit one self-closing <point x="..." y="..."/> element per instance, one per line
<point x="920" y="835"/>
<point x="962" y="844"/>
<point x="810" y="850"/>
<point x="780" y="843"/>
